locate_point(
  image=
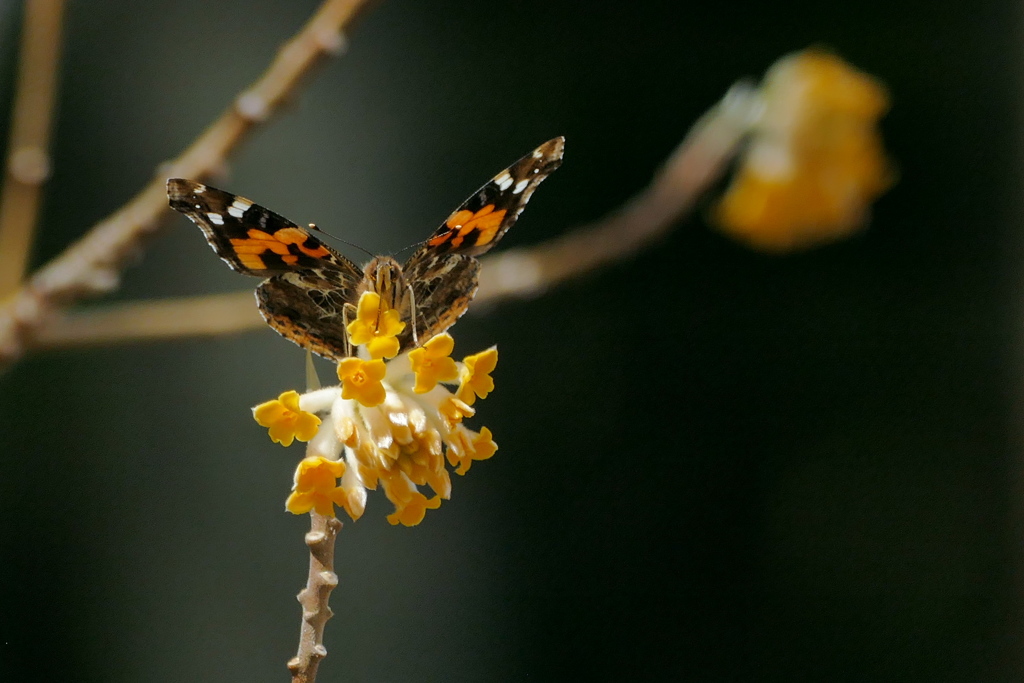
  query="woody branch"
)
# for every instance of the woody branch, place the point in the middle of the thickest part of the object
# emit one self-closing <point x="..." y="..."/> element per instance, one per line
<point x="315" y="611"/>
<point x="92" y="265"/>
<point x="28" y="160"/>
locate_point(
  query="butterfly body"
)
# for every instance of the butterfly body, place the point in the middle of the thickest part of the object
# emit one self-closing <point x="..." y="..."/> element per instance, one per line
<point x="311" y="290"/>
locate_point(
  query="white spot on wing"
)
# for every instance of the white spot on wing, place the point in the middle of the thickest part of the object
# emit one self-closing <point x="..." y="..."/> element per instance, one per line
<point x="238" y="207"/>
<point x="199" y="188"/>
<point x="504" y="181"/>
<point x="520" y="186"/>
<point x="215" y="218"/>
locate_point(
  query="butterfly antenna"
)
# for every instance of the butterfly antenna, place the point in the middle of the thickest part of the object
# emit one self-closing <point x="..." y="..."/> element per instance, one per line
<point x="315" y="228"/>
<point x="414" y="244"/>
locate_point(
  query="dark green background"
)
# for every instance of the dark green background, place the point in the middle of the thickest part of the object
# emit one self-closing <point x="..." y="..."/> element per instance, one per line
<point x="816" y="477"/>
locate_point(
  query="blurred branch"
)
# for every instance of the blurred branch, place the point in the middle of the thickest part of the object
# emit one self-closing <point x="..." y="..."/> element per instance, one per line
<point x="91" y="266"/>
<point x="313" y="598"/>
<point x="699" y="160"/>
<point x="199" y="316"/>
<point x="518" y="273"/>
<point x="28" y="160"/>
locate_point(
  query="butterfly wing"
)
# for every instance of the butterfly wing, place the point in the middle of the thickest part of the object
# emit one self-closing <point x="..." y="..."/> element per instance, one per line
<point x="309" y="282"/>
<point x="309" y="309"/>
<point x="486" y="216"/>
<point x="251" y="239"/>
<point x="443" y="270"/>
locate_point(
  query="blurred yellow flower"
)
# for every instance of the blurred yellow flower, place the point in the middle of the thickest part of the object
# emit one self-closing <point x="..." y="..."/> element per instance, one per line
<point x="815" y="161"/>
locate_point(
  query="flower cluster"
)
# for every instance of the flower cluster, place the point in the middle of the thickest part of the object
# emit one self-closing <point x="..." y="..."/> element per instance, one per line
<point x="392" y="424"/>
<point x="815" y="162"/>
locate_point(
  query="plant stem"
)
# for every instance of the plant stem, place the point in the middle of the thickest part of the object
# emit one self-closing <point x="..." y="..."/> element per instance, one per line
<point x="313" y="598"/>
<point x="28" y="159"/>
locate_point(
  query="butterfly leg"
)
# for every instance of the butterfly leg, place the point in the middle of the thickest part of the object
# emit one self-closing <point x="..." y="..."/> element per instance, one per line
<point x="412" y="314"/>
<point x="348" y="312"/>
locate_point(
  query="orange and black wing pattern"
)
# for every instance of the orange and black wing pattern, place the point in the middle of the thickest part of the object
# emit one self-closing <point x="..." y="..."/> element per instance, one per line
<point x="251" y="239"/>
<point x="486" y="216"/>
<point x="443" y="271"/>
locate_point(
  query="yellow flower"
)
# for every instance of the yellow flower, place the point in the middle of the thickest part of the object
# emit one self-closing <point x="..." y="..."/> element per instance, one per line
<point x="376" y="328"/>
<point x="454" y="410"/>
<point x="412" y="511"/>
<point x="467" y="446"/>
<point x="361" y="380"/>
<point x="380" y="432"/>
<point x="483" y="445"/>
<point x="352" y="498"/>
<point x="475" y="377"/>
<point x="815" y="162"/>
<point x="285" y="420"/>
<point x="432" y="363"/>
<point x="316" y="487"/>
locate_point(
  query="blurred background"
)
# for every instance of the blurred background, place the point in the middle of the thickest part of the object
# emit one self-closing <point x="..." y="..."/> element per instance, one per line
<point x="816" y="478"/>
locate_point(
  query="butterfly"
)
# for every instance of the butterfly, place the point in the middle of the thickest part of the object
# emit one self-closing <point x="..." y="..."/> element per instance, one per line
<point x="311" y="290"/>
